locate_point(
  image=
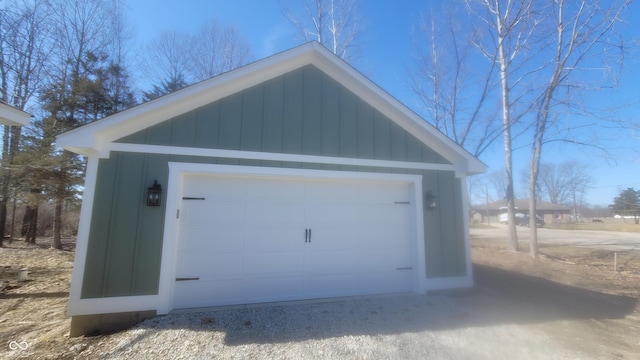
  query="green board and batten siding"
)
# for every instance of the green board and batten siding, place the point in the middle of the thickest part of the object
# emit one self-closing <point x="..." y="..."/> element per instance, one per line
<point x="302" y="112"/>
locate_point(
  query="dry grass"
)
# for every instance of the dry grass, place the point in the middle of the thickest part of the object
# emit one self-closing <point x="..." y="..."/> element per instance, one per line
<point x="624" y="262"/>
<point x="607" y="225"/>
<point x="33" y="312"/>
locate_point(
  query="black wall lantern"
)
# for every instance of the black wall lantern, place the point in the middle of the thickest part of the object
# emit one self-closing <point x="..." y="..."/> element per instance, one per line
<point x="430" y="201"/>
<point x="153" y="194"/>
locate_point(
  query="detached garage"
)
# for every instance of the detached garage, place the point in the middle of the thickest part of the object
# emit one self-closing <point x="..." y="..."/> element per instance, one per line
<point x="291" y="178"/>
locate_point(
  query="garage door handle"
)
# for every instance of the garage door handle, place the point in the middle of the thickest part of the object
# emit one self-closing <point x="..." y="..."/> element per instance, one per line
<point x="309" y="235"/>
<point x="405" y="268"/>
<point x="187" y="279"/>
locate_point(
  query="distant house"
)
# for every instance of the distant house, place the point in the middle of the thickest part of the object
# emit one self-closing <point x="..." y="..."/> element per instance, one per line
<point x="12" y="116"/>
<point x="291" y="178"/>
<point x="549" y="212"/>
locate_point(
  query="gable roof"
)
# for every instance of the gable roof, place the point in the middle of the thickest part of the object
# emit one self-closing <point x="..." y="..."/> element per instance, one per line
<point x="12" y="116"/>
<point x="96" y="136"/>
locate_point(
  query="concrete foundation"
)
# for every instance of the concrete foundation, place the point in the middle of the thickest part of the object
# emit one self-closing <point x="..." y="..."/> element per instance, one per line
<point x="91" y="325"/>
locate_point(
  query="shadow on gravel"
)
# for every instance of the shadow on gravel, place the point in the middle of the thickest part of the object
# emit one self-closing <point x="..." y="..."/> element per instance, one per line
<point x="499" y="298"/>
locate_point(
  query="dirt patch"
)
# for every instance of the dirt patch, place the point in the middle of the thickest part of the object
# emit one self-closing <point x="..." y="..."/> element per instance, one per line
<point x="570" y="297"/>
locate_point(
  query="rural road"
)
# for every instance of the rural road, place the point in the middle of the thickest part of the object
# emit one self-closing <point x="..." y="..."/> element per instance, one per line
<point x="605" y="240"/>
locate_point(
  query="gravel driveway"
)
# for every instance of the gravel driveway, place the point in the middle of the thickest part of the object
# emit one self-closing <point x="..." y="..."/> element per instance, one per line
<point x="391" y="327"/>
<point x="506" y="316"/>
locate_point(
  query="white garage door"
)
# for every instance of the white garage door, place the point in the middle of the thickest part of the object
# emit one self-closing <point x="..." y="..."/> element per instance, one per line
<point x="249" y="239"/>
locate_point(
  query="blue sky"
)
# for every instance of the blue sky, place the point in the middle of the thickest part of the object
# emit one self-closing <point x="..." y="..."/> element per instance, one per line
<point x="387" y="60"/>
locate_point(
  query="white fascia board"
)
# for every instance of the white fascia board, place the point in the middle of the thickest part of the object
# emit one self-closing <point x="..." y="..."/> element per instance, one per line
<point x="12" y="116"/>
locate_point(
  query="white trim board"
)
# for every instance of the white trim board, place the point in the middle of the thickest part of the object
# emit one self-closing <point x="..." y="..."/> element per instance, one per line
<point x="266" y="156"/>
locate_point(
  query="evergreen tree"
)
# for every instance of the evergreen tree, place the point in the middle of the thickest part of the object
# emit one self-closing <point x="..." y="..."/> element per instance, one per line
<point x="165" y="87"/>
<point x="627" y="204"/>
<point x="89" y="96"/>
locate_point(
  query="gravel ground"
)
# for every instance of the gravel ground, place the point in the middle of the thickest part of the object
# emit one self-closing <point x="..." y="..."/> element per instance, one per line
<point x="571" y="305"/>
<point x="389" y="327"/>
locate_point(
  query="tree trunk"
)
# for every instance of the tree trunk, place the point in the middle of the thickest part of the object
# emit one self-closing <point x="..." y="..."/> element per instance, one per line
<point x="29" y="224"/>
<point x="13" y="220"/>
<point x="534" y="169"/>
<point x="24" y="228"/>
<point x="506" y="127"/>
<point x="57" y="224"/>
<point x="3" y="216"/>
<point x="6" y="176"/>
<point x="533" y="231"/>
<point x="33" y="226"/>
<point x="10" y="146"/>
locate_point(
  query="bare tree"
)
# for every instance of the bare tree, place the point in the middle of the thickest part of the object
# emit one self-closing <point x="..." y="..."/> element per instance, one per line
<point x="82" y="27"/>
<point x="566" y="183"/>
<point x="166" y="58"/>
<point x="580" y="31"/>
<point x="175" y="59"/>
<point x="84" y="31"/>
<point x="215" y="50"/>
<point x="507" y="26"/>
<point x="496" y="180"/>
<point x="25" y="47"/>
<point x="120" y="59"/>
<point x="336" y="24"/>
<point x="446" y="80"/>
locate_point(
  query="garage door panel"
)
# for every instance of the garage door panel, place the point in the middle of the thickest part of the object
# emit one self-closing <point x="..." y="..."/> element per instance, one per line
<point x="271" y="263"/>
<point x="263" y="238"/>
<point x="210" y="265"/>
<point x="327" y="191"/>
<point x="274" y="288"/>
<point x="332" y="213"/>
<point x="375" y="237"/>
<point x="275" y="213"/>
<point x="383" y="192"/>
<point x="387" y="260"/>
<point x="330" y="262"/>
<point x="330" y="285"/>
<point x="225" y="189"/>
<point x="203" y="238"/>
<point x="191" y="294"/>
<point x="383" y="213"/>
<point x="208" y="213"/>
<point x="344" y="237"/>
<point x="265" y="190"/>
<point x="386" y="282"/>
